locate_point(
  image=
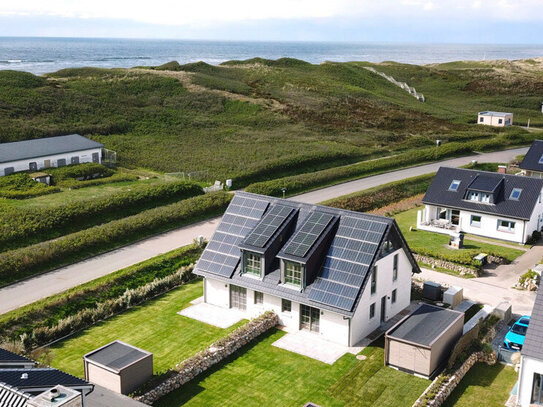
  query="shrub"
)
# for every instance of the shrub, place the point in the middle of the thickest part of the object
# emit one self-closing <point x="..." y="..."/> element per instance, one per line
<point x="76" y="184"/>
<point x="80" y="172"/>
<point x="21" y="186"/>
<point x="19" y="226"/>
<point x="529" y="275"/>
<point x="24" y="262"/>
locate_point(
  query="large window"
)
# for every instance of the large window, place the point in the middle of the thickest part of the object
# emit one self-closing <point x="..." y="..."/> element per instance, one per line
<point x="253" y="264"/>
<point x="506" y="225"/>
<point x="537" y="390"/>
<point x="475" y="221"/>
<point x="309" y="318"/>
<point x="395" y="268"/>
<point x="473" y="196"/>
<point x="293" y="273"/>
<point x="373" y="280"/>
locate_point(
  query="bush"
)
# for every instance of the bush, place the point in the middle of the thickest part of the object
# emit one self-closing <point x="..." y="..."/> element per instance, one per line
<point x="21" y="226"/>
<point x="79" y="172"/>
<point x="24" y="262"/>
<point x="21" y="186"/>
<point x="118" y="177"/>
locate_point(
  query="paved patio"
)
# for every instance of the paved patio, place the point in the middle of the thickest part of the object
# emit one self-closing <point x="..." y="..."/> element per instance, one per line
<point x="212" y="315"/>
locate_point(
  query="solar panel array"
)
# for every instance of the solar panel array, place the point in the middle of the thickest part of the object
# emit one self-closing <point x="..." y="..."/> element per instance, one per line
<point x="222" y="253"/>
<point x="308" y="234"/>
<point x="347" y="263"/>
<point x="270" y="223"/>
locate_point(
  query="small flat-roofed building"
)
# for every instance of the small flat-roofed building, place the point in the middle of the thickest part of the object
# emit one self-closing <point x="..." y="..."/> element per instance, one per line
<point x="38" y="154"/>
<point x="422" y="341"/>
<point x="10" y="360"/>
<point x="498" y="119"/>
<point x="118" y="366"/>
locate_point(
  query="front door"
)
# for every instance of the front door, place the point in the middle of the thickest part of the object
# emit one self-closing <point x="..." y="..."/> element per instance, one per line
<point x="383" y="308"/>
<point x="309" y="318"/>
<point x="238" y="297"/>
<point x="46" y="163"/>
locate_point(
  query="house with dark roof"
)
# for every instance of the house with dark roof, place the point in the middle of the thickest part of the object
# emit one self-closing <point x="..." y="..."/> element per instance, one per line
<point x="499" y="206"/>
<point x="9" y="360"/>
<point x="497" y="119"/>
<point x="39" y="154"/>
<point x="532" y="163"/>
<point x="530" y="384"/>
<point x="335" y="273"/>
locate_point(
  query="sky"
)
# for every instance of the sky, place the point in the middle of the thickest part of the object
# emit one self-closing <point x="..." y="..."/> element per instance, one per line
<point x="435" y="21"/>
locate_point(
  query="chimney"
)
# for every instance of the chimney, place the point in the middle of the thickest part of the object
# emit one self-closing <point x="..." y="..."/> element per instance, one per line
<point x="502" y="169"/>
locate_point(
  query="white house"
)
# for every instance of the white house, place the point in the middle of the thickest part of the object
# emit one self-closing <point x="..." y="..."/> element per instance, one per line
<point x="500" y="206"/>
<point x="530" y="384"/>
<point x="532" y="163"/>
<point x="498" y="119"/>
<point x="336" y="273"/>
<point x="38" y="154"/>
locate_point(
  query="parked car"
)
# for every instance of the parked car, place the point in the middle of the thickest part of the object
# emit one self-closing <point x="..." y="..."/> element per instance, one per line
<point x="514" y="339"/>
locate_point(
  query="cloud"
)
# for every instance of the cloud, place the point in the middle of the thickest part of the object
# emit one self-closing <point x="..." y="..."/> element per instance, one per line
<point x="209" y="12"/>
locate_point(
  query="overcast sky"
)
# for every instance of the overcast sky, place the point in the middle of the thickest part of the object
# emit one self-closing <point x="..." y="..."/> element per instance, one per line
<point x="469" y="21"/>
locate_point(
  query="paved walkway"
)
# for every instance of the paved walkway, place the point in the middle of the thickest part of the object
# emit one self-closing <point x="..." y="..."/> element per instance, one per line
<point x="28" y="291"/>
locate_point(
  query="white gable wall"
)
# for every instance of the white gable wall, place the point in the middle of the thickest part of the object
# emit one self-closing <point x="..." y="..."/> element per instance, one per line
<point x="85" y="156"/>
<point x="490" y="120"/>
<point x="528" y="367"/>
<point x="361" y="324"/>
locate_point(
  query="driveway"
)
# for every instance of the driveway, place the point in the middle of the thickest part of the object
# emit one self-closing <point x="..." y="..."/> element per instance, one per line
<point x="33" y="289"/>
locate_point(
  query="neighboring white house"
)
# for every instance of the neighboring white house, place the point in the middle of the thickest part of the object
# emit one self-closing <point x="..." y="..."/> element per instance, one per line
<point x="530" y="384"/>
<point x="499" y="206"/>
<point x="336" y="273"/>
<point x="532" y="163"/>
<point x="38" y="154"/>
<point x="498" y="119"/>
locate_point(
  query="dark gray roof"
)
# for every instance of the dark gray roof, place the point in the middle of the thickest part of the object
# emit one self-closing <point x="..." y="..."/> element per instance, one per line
<point x="532" y="157"/>
<point x="354" y="243"/>
<point x="116" y="355"/>
<point x="439" y="194"/>
<point x="12" y="397"/>
<point x="533" y="343"/>
<point x="41" y="379"/>
<point x="21" y="150"/>
<point x="7" y="356"/>
<point x="424" y="325"/>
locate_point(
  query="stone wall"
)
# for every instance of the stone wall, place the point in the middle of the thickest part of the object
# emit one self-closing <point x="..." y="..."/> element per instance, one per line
<point x="446" y="265"/>
<point x="215" y="353"/>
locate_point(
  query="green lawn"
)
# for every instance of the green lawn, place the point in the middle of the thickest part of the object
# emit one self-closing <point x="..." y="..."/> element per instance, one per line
<point x="263" y="375"/>
<point x="437" y="244"/>
<point x="485" y="386"/>
<point x="155" y="327"/>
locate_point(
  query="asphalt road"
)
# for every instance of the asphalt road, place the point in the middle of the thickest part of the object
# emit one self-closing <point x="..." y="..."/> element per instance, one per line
<point x="56" y="281"/>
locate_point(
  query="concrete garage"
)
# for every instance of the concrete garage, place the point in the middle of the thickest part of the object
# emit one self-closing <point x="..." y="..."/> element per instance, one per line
<point x="119" y="367"/>
<point x="422" y="341"/>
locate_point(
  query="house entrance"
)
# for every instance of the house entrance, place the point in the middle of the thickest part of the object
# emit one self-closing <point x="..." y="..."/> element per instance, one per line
<point x="309" y="318"/>
<point x="238" y="297"/>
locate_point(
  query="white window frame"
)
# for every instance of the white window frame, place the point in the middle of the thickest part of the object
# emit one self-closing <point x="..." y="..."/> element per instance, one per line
<point x="509" y="229"/>
<point x="285" y="302"/>
<point x="519" y="190"/>
<point x="251" y="259"/>
<point x="475" y="224"/>
<point x="291" y="274"/>
<point x="454" y="185"/>
<point x="473" y="196"/>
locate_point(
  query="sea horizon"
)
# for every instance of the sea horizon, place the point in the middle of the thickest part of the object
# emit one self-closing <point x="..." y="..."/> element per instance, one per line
<point x="41" y="55"/>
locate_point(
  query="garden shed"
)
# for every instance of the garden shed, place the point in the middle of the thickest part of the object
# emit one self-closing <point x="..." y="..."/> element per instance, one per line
<point x="118" y="366"/>
<point x="422" y="341"/>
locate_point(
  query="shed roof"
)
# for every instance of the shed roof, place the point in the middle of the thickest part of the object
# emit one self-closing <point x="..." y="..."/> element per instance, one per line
<point x="533" y="343"/>
<point x="497" y="114"/>
<point x="533" y="157"/>
<point x="116" y="355"/>
<point x="424" y="325"/>
<point x="439" y="194"/>
<point x="26" y="149"/>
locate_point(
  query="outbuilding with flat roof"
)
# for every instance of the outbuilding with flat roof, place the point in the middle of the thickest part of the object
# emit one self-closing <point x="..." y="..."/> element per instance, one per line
<point x="498" y="119"/>
<point x="118" y="366"/>
<point x="422" y="341"/>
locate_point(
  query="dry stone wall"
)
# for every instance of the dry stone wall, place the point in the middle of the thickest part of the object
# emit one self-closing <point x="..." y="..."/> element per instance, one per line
<point x="209" y="357"/>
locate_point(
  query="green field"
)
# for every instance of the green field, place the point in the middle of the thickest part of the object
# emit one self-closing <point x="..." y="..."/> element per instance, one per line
<point x="483" y="386"/>
<point x="154" y="326"/>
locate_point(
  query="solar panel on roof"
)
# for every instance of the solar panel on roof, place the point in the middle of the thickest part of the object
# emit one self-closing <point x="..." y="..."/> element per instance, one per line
<point x="222" y="254"/>
<point x="270" y="223"/>
<point x="308" y="234"/>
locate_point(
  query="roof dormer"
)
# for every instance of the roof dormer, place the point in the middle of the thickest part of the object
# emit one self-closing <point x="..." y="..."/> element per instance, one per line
<point x="484" y="189"/>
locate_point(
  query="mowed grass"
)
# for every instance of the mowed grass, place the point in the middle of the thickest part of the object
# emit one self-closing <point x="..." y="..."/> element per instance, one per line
<point x="154" y="326"/>
<point x="263" y="375"/>
<point x="438" y="243"/>
<point x="483" y="385"/>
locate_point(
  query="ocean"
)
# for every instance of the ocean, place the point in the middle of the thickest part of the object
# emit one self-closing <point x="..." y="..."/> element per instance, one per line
<point x="42" y="55"/>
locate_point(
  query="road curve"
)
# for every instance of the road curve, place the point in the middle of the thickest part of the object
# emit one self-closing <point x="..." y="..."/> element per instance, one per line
<point x="56" y="281"/>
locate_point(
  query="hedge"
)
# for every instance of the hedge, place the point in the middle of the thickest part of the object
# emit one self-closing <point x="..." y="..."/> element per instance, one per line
<point x="80" y="171"/>
<point x="76" y="184"/>
<point x="48" y="312"/>
<point x="23" y="226"/>
<point x="308" y="181"/>
<point x="28" y="261"/>
<point x="21" y="186"/>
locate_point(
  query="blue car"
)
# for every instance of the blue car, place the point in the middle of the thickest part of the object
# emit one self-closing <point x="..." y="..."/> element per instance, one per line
<point x="517" y="333"/>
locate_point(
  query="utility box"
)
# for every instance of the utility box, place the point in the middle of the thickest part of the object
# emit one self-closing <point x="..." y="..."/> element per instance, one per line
<point x="453" y="296"/>
<point x="504" y="311"/>
<point x="432" y="291"/>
